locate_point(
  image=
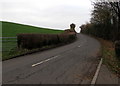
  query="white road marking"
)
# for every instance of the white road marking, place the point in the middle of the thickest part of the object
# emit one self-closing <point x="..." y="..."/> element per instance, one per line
<point x="49" y="59"/>
<point x="79" y="46"/>
<point x="44" y="61"/>
<point x="96" y="73"/>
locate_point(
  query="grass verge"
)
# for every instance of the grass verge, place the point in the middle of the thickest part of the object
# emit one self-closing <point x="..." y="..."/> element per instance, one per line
<point x="16" y="52"/>
<point x="109" y="57"/>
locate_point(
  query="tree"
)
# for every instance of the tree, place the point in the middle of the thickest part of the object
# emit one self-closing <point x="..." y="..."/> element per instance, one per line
<point x="105" y="20"/>
<point x="115" y="7"/>
<point x="72" y="27"/>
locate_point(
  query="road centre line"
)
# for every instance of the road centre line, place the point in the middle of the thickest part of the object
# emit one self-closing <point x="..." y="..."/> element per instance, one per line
<point x="49" y="59"/>
<point x="44" y="61"/>
<point x="79" y="46"/>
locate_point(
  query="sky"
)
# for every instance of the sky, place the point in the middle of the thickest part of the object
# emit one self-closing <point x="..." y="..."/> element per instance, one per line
<point x="55" y="14"/>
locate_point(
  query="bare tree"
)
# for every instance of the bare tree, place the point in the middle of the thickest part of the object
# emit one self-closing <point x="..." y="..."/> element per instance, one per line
<point x="105" y="20"/>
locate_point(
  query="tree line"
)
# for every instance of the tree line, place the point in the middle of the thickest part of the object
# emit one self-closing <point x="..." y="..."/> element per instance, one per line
<point x="105" y="20"/>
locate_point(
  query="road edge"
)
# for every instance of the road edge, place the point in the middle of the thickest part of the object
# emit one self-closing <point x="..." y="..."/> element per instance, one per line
<point x="97" y="72"/>
<point x="40" y="50"/>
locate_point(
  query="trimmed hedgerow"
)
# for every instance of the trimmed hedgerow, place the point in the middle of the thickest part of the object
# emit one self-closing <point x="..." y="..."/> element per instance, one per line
<point x="32" y="41"/>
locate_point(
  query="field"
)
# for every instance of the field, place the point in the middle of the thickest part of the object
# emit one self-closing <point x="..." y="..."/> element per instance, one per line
<point x="11" y="29"/>
<point x="9" y="32"/>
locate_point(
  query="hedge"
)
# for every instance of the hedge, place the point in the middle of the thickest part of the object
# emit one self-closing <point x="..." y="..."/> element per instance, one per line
<point x="32" y="41"/>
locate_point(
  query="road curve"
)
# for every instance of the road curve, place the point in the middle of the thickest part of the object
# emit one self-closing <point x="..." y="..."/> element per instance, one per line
<point x="74" y="63"/>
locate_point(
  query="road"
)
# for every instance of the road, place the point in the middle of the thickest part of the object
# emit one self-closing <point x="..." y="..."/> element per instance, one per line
<point x="74" y="63"/>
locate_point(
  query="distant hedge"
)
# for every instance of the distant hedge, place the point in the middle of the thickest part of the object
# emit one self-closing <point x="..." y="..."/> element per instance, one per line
<point x="31" y="41"/>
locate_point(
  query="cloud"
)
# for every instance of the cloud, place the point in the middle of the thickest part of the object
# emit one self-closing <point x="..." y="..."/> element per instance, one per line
<point x="57" y="14"/>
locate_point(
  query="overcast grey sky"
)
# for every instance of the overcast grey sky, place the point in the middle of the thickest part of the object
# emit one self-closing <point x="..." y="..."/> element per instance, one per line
<point x="56" y="14"/>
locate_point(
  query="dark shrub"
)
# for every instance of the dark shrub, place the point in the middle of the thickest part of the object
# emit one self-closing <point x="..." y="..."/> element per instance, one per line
<point x="68" y="31"/>
<point x="117" y="49"/>
<point x="72" y="26"/>
<point x="30" y="41"/>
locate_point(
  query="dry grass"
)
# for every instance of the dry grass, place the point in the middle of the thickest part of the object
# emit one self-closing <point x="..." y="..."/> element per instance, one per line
<point x="109" y="57"/>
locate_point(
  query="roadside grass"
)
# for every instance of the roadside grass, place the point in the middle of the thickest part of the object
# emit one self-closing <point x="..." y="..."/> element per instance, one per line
<point x="13" y="52"/>
<point x="7" y="48"/>
<point x="9" y="29"/>
<point x="109" y="57"/>
<point x="0" y="55"/>
<point x="16" y="52"/>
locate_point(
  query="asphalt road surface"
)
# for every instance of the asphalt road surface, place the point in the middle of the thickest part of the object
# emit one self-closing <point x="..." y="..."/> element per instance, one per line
<point x="74" y="63"/>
